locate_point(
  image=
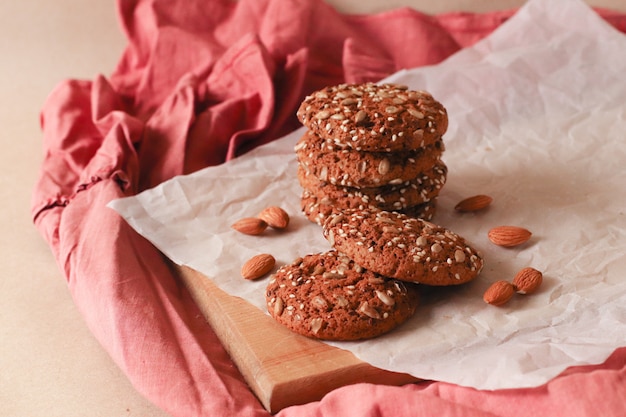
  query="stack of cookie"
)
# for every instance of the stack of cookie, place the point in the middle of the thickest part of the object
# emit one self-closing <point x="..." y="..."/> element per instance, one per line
<point x="371" y="170"/>
<point x="370" y="145"/>
<point x="365" y="286"/>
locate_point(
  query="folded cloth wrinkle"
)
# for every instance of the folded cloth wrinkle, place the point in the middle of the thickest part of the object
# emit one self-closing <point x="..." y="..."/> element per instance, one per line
<point x="384" y="401"/>
<point x="468" y="28"/>
<point x="239" y="96"/>
<point x="417" y="39"/>
<point x="289" y="89"/>
<point x="165" y="134"/>
<point x="574" y="393"/>
<point x="104" y="102"/>
<point x="163" y="326"/>
<point x="200" y="83"/>
<point x="67" y="147"/>
<point x="361" y="65"/>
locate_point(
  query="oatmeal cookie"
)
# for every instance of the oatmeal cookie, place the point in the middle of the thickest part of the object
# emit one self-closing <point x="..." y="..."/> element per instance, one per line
<point x="374" y="117"/>
<point x="402" y="247"/>
<point x="328" y="296"/>
<point x="347" y="167"/>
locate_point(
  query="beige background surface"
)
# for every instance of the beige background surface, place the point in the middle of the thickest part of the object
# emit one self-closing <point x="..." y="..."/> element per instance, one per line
<point x="50" y="364"/>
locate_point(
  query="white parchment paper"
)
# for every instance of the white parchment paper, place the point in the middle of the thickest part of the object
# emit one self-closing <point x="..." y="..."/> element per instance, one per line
<point x="538" y="121"/>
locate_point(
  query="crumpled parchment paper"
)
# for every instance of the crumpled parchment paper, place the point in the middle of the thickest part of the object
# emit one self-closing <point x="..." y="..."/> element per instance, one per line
<point x="537" y="121"/>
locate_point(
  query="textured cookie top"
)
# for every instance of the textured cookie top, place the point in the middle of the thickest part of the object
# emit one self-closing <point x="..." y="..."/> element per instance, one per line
<point x="418" y="190"/>
<point x="318" y="209"/>
<point x="328" y="296"/>
<point x="402" y="247"/>
<point x="348" y="167"/>
<point x="373" y="117"/>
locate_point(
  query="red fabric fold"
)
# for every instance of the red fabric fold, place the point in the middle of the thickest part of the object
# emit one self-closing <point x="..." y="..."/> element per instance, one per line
<point x="198" y="84"/>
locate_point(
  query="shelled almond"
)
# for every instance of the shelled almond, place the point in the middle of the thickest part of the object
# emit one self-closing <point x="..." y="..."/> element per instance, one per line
<point x="250" y="226"/>
<point x="275" y="217"/>
<point x="258" y="266"/>
<point x="499" y="293"/>
<point x="509" y="236"/>
<point x="474" y="203"/>
<point x="527" y="280"/>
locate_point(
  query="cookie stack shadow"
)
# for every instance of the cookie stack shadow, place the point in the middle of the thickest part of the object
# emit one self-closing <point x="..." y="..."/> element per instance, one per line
<point x="371" y="146"/>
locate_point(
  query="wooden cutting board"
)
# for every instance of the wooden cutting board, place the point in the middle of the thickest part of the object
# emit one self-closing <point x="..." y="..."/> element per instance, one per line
<point x="282" y="368"/>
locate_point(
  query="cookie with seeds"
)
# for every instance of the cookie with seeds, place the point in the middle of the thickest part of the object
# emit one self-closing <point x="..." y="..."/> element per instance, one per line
<point x="374" y="117"/>
<point x="318" y="209"/>
<point x="328" y="296"/>
<point x="421" y="189"/>
<point x="424" y="211"/>
<point x="402" y="247"/>
<point x="348" y="167"/>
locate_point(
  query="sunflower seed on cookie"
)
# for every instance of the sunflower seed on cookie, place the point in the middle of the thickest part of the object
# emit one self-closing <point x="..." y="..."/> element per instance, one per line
<point x="395" y="245"/>
<point x="374" y="117"/>
<point x="329" y="296"/>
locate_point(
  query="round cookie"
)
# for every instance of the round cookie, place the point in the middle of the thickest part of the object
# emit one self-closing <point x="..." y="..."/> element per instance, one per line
<point x="318" y="209"/>
<point x="347" y="167"/>
<point x="421" y="189"/>
<point x="402" y="247"/>
<point x="374" y="117"/>
<point x="327" y="296"/>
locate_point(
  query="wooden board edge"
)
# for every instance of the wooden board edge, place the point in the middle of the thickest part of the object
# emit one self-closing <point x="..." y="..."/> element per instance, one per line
<point x="297" y="370"/>
<point x="317" y="386"/>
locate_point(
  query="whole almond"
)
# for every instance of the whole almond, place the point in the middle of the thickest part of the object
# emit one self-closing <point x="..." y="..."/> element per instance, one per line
<point x="275" y="217"/>
<point x="250" y="226"/>
<point x="499" y="293"/>
<point x="258" y="266"/>
<point x="474" y="203"/>
<point x="509" y="236"/>
<point x="527" y="280"/>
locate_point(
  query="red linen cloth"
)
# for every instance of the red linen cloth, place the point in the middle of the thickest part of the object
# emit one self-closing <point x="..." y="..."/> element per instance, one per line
<point x="199" y="83"/>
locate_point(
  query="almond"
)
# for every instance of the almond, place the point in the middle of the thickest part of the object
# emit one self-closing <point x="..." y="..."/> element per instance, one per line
<point x="258" y="266"/>
<point x="527" y="280"/>
<point x="509" y="236"/>
<point x="474" y="203"/>
<point x="499" y="293"/>
<point x="250" y="226"/>
<point x="275" y="217"/>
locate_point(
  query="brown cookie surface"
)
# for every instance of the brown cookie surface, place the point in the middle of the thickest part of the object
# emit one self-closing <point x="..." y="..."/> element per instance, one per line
<point x="347" y="167"/>
<point x="374" y="117"/>
<point x="318" y="209"/>
<point x="421" y="189"/>
<point x="328" y="296"/>
<point x="402" y="247"/>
